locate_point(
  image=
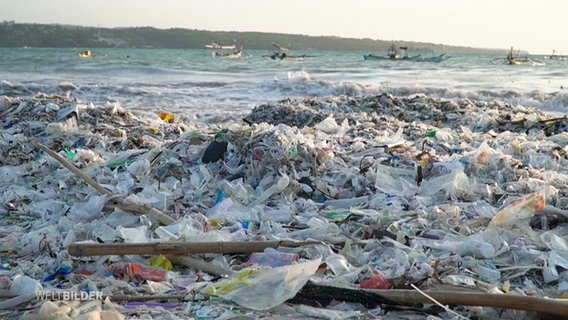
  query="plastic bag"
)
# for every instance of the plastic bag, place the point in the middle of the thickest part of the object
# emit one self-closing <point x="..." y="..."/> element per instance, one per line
<point x="264" y="288"/>
<point x="519" y="213"/>
<point x="26" y="289"/>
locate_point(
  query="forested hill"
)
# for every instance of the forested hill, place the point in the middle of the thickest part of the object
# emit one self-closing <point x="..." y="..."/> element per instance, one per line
<point x="69" y="36"/>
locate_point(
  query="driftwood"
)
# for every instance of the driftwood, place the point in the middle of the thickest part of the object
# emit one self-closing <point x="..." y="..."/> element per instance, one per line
<point x="321" y="295"/>
<point x="173" y="248"/>
<point x="122" y="203"/>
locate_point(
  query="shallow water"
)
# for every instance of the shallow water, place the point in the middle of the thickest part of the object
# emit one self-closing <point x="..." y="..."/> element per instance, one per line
<point x="204" y="89"/>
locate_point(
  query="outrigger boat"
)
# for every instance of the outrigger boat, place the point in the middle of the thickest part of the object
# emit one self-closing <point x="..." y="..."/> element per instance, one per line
<point x="394" y="53"/>
<point x="438" y="58"/>
<point x="555" y="56"/>
<point x="220" y="51"/>
<point x="282" y="53"/>
<point x="514" y="59"/>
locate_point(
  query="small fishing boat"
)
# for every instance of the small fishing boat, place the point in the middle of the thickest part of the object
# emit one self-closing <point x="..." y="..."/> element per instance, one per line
<point x="220" y="51"/>
<point x="86" y="54"/>
<point x="437" y="58"/>
<point x="282" y="53"/>
<point x="555" y="56"/>
<point x="514" y="59"/>
<point x="393" y="53"/>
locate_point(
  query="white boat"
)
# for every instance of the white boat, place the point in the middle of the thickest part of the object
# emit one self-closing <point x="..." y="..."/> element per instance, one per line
<point x="394" y="53"/>
<point x="220" y="51"/>
<point x="555" y="56"/>
<point x="282" y="53"/>
<point x="515" y="60"/>
<point x="218" y="46"/>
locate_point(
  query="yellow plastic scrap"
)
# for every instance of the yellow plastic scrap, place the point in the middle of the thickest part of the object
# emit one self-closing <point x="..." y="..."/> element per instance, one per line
<point x="520" y="211"/>
<point x="227" y="285"/>
<point x="161" y="261"/>
<point x="167" y="117"/>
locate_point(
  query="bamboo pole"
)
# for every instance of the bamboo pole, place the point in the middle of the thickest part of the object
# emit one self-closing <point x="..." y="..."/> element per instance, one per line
<point x="122" y="203"/>
<point x="324" y="293"/>
<point x="506" y="301"/>
<point x="173" y="248"/>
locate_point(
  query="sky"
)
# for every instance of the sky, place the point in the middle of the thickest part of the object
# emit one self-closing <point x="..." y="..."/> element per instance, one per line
<point x="538" y="27"/>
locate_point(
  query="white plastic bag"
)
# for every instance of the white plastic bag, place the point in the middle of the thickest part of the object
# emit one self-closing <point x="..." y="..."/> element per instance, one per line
<point x="264" y="288"/>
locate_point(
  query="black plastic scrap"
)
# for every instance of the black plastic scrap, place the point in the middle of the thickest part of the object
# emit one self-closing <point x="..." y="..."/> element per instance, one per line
<point x="214" y="152"/>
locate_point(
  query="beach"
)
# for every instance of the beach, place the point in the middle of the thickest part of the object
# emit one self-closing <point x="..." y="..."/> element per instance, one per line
<point x="283" y="184"/>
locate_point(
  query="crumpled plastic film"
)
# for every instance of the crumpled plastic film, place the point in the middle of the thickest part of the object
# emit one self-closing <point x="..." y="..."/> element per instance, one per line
<point x="264" y="288"/>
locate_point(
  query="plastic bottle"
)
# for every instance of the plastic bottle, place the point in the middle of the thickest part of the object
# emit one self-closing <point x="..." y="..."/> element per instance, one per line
<point x="272" y="258"/>
<point x="477" y="249"/>
<point x="443" y="134"/>
<point x="276" y="188"/>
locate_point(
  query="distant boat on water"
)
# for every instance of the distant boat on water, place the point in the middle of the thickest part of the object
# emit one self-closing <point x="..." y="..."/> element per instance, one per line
<point x="515" y="59"/>
<point x="555" y="56"/>
<point x="282" y="53"/>
<point x="86" y="54"/>
<point x="221" y="51"/>
<point x="394" y="53"/>
<point x="436" y="58"/>
<point x="89" y="54"/>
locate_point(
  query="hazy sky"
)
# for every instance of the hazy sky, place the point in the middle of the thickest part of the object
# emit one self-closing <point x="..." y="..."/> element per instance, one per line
<point x="536" y="26"/>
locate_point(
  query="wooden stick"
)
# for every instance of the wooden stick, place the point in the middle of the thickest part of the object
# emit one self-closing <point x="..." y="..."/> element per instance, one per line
<point x="103" y="249"/>
<point x="507" y="301"/>
<point x="323" y="294"/>
<point x="123" y="203"/>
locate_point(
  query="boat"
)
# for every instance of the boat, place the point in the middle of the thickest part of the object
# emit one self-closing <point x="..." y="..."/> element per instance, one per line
<point x="515" y="60"/>
<point x="282" y="53"/>
<point x="555" y="56"/>
<point x="393" y="53"/>
<point x="220" y="51"/>
<point x="86" y="54"/>
<point x="436" y="58"/>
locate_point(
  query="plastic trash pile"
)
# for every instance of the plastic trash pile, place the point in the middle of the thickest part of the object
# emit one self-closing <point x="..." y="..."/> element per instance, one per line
<point x="380" y="193"/>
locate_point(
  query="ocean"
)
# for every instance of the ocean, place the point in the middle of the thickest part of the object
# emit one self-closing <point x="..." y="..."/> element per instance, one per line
<point x="416" y="188"/>
<point x="207" y="90"/>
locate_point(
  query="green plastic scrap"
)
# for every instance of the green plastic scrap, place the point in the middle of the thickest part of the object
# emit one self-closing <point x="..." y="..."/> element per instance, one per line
<point x="431" y="133"/>
<point x="221" y="135"/>
<point x="342" y="215"/>
<point x="70" y="154"/>
<point x="113" y="165"/>
<point x="293" y="151"/>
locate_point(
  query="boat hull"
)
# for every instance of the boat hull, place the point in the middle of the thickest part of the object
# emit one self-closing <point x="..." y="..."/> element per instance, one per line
<point x="372" y="57"/>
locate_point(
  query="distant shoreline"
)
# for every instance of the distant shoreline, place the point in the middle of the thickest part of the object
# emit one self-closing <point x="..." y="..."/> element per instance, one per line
<point x="14" y="35"/>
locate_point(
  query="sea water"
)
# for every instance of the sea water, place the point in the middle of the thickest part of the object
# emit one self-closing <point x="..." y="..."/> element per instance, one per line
<point x="212" y="90"/>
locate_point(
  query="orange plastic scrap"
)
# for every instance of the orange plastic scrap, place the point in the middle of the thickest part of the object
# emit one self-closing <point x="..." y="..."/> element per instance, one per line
<point x="519" y="212"/>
